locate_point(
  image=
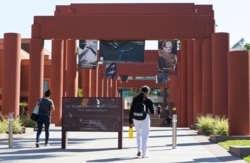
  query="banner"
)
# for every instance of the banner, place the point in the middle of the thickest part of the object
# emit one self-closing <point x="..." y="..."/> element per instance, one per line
<point x="167" y="59"/>
<point x="87" y="54"/>
<point x="122" y="51"/>
<point x="111" y="70"/>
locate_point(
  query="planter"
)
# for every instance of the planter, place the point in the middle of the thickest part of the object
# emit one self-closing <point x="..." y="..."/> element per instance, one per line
<point x="216" y="139"/>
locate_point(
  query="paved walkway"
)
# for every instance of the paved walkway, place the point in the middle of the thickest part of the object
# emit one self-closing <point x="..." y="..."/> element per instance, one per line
<point x="103" y="147"/>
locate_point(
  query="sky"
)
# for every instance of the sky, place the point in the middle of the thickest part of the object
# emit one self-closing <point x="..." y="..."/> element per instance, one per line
<point x="18" y="16"/>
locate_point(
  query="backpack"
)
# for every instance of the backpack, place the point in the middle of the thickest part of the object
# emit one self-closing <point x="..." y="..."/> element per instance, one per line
<point x="139" y="112"/>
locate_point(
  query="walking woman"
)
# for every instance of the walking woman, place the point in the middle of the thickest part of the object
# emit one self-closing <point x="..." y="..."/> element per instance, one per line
<point x="46" y="106"/>
<point x="142" y="127"/>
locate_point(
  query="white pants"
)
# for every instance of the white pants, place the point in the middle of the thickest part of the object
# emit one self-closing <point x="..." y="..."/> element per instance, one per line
<point x="142" y="133"/>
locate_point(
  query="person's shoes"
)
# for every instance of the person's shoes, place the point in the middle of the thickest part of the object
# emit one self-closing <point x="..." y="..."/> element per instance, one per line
<point x="47" y="144"/>
<point x="138" y="154"/>
<point x="144" y="156"/>
<point x="37" y="145"/>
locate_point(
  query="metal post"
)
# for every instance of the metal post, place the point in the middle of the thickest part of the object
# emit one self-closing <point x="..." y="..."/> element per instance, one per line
<point x="11" y="119"/>
<point x="174" y="130"/>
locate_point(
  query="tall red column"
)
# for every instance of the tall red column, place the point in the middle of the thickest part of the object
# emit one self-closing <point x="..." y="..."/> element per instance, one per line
<point x="90" y="82"/>
<point x="71" y="77"/>
<point x="173" y="93"/>
<point x="197" y="62"/>
<point x="182" y="111"/>
<point x="11" y="64"/>
<point x="109" y="88"/>
<point x="36" y="72"/>
<point x="190" y="90"/>
<point x="93" y="82"/>
<point x="220" y="47"/>
<point x="206" y="76"/>
<point x="97" y="81"/>
<point x="115" y="89"/>
<point x="106" y="86"/>
<point x="57" y="79"/>
<point x="238" y="92"/>
<point x="85" y="82"/>
<point x="100" y="89"/>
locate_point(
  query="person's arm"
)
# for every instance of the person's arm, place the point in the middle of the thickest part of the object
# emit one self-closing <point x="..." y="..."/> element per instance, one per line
<point x="151" y="106"/>
<point x="52" y="106"/>
<point x="131" y="114"/>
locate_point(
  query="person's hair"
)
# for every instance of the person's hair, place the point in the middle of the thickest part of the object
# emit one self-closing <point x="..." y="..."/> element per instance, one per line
<point x="174" y="45"/>
<point x="47" y="93"/>
<point x="163" y="44"/>
<point x="145" y="89"/>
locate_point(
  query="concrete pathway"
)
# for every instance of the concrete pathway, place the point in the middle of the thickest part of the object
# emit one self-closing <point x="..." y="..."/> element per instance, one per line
<point x="103" y="147"/>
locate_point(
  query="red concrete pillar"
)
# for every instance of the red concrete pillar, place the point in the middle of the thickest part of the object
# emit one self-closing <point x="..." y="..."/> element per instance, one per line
<point x="238" y="92"/>
<point x="101" y="87"/>
<point x="182" y="110"/>
<point x="173" y="88"/>
<point x="207" y="76"/>
<point x="64" y="67"/>
<point x="115" y="89"/>
<point x="197" y="71"/>
<point x="220" y="47"/>
<point x="109" y="87"/>
<point x="174" y="91"/>
<point x="93" y="82"/>
<point x="97" y="74"/>
<point x="85" y="82"/>
<point x="11" y="74"/>
<point x="106" y="86"/>
<point x="190" y="89"/>
<point x="90" y="83"/>
<point x="100" y="80"/>
<point x="71" y="77"/>
<point x="36" y="72"/>
<point x="57" y="79"/>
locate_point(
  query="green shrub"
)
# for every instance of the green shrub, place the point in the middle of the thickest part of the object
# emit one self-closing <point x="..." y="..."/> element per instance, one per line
<point x="212" y="125"/>
<point x="221" y="126"/>
<point x="27" y="122"/>
<point x="205" y="124"/>
<point x="4" y="125"/>
<point x="23" y="108"/>
<point x="247" y="159"/>
<point x="17" y="126"/>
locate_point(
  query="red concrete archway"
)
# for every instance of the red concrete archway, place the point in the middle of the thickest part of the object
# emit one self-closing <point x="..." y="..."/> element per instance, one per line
<point x="184" y="21"/>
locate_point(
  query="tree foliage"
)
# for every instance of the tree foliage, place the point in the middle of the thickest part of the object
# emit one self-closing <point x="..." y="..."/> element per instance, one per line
<point x="247" y="46"/>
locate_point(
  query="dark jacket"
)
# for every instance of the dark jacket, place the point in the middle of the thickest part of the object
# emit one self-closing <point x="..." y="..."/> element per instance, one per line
<point x="139" y="98"/>
<point x="45" y="106"/>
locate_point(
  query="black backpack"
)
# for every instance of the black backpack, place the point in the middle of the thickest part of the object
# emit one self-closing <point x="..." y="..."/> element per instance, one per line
<point x="139" y="112"/>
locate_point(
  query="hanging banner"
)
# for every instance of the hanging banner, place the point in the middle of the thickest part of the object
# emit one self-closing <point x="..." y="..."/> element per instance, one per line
<point x="167" y="59"/>
<point x="111" y="70"/>
<point x="122" y="51"/>
<point x="87" y="54"/>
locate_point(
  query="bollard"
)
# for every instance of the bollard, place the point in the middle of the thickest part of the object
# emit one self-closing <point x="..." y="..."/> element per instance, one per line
<point x="11" y="119"/>
<point x="174" y="130"/>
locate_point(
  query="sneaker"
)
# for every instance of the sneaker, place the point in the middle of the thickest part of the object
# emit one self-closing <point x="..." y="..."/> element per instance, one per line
<point x="47" y="144"/>
<point x="37" y="145"/>
<point x="145" y="156"/>
<point x="138" y="154"/>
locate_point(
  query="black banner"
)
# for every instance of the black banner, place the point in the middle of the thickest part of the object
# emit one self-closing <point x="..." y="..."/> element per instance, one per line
<point x="122" y="51"/>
